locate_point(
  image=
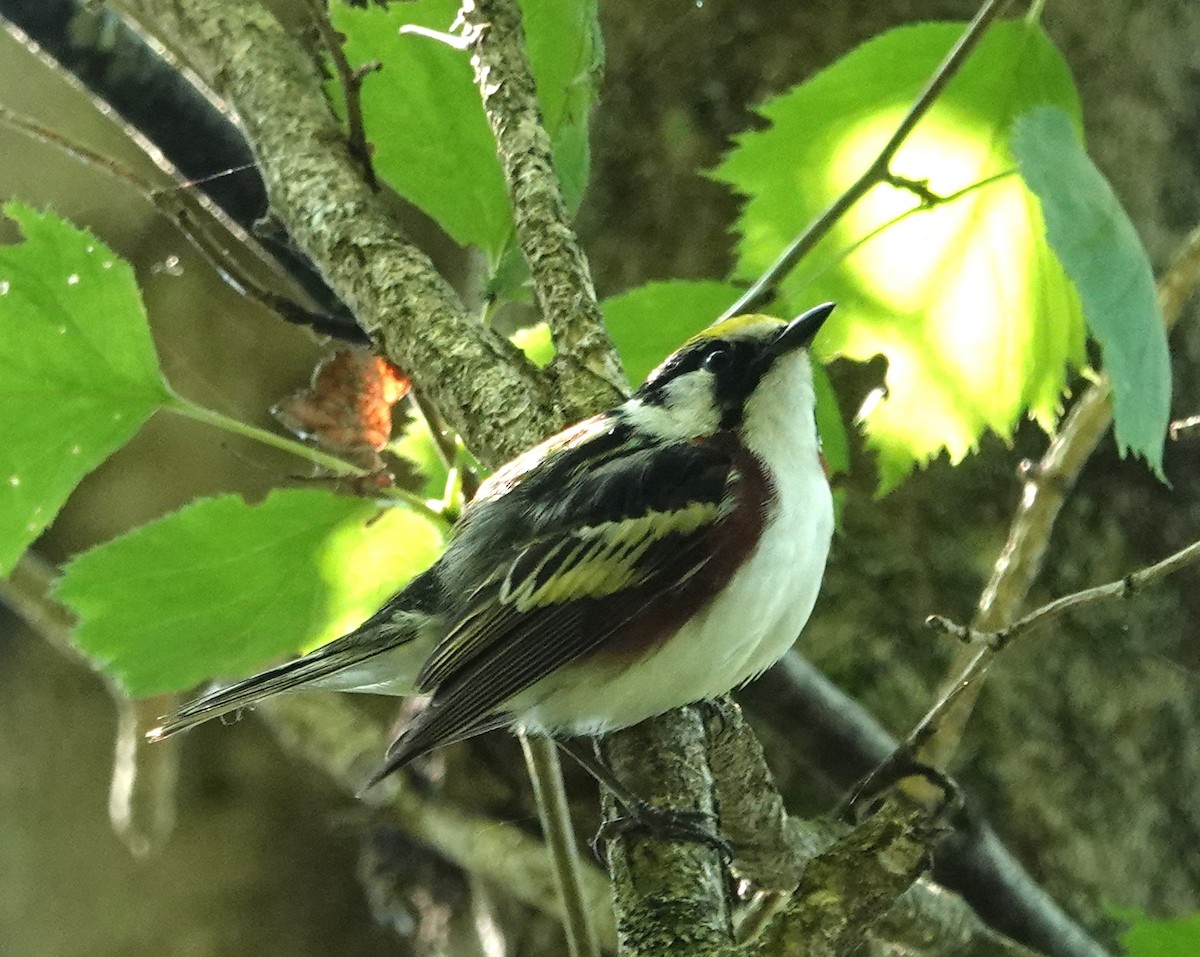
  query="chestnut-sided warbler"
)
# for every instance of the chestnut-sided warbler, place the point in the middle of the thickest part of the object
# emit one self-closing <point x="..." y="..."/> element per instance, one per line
<point x="661" y="553"/>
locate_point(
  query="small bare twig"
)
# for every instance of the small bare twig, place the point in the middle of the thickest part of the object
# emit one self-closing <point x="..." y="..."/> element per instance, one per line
<point x="1047" y="485"/>
<point x="541" y="757"/>
<point x="351" y="81"/>
<point x="761" y="291"/>
<point x="201" y="222"/>
<point x="986" y="644"/>
<point x="1060" y="606"/>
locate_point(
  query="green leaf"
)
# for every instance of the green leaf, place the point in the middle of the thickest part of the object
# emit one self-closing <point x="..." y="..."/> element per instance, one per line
<point x="1100" y="250"/>
<point x="1161" y="938"/>
<point x="536" y="343"/>
<point x="566" y="55"/>
<point x="978" y="322"/>
<point x="78" y="372"/>
<point x="835" y="445"/>
<point x="650" y="322"/>
<point x="221" y="587"/>
<point x="416" y="446"/>
<point x="424" y="116"/>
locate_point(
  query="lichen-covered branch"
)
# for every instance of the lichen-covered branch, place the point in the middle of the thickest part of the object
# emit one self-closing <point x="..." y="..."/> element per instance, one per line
<point x="586" y="364"/>
<point x="669" y="895"/>
<point x="846" y="889"/>
<point x="474" y="377"/>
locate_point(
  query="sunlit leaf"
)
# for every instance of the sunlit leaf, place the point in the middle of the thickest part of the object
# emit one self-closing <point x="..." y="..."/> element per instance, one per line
<point x="537" y="344"/>
<point x="976" y="318"/>
<point x="1100" y="250"/>
<point x="423" y="114"/>
<point x="78" y="372"/>
<point x="221" y="587"/>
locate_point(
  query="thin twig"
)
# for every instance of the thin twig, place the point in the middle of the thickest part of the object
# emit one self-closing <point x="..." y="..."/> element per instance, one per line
<point x="351" y="81"/>
<point x="1060" y="606"/>
<point x="761" y="291"/>
<point x="179" y="205"/>
<point x="937" y="200"/>
<point x="1047" y="485"/>
<point x="586" y="363"/>
<point x="541" y="757"/>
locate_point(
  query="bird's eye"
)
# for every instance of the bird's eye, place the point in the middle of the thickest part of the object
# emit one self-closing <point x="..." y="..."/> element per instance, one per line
<point x="716" y="360"/>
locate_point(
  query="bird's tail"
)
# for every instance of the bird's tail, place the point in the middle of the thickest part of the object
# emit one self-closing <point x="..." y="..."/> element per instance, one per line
<point x="333" y="665"/>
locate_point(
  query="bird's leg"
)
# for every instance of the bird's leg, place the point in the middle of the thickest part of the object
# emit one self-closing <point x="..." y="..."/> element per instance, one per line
<point x="666" y="823"/>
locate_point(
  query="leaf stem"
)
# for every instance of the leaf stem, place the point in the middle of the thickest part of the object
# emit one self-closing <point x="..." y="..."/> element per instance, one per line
<point x="762" y="290"/>
<point x="199" y="413"/>
<point x="332" y="463"/>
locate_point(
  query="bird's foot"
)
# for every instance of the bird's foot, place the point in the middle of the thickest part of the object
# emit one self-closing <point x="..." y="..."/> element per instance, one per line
<point x="664" y="823"/>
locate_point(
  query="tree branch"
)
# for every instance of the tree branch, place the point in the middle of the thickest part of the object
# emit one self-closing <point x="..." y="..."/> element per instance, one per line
<point x="1124" y="588"/>
<point x="846" y="889"/>
<point x="480" y="382"/>
<point x="772" y="850"/>
<point x="669" y="895"/>
<point x="846" y="742"/>
<point x="586" y="364"/>
<point x="541" y="758"/>
<point x="1047" y="485"/>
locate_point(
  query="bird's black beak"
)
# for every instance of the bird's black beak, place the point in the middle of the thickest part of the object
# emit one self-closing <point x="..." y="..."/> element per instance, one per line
<point x="800" y="332"/>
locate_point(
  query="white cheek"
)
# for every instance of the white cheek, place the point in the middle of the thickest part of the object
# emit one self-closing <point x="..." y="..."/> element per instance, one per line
<point x="686" y="412"/>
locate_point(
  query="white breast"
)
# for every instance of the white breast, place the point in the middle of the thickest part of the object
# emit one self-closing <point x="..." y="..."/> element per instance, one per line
<point x="758" y="616"/>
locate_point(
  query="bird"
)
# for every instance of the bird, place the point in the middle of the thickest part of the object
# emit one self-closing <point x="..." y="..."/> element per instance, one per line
<point x="655" y="555"/>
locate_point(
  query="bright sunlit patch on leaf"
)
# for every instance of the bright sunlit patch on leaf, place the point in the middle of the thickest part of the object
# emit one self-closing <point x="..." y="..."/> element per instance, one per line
<point x="221" y="587"/>
<point x="978" y="322"/>
<point x="395" y="540"/>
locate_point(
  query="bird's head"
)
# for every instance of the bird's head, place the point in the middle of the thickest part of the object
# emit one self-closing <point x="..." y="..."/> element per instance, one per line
<point x="743" y="373"/>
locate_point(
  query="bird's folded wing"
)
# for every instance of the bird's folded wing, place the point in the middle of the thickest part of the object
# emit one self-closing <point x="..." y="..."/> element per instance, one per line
<point x="568" y="591"/>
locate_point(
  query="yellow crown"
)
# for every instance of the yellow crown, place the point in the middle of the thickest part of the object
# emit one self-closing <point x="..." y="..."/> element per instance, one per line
<point x="734" y="327"/>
